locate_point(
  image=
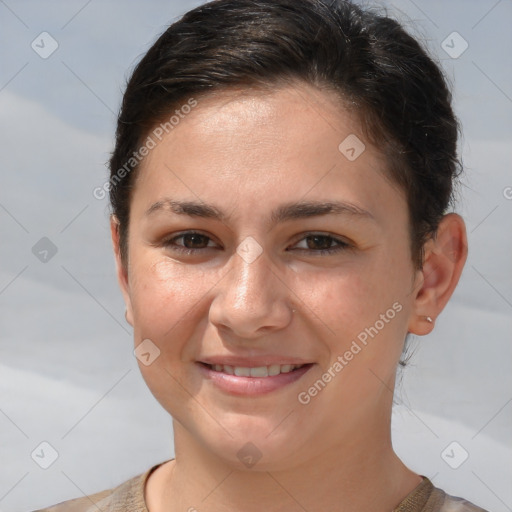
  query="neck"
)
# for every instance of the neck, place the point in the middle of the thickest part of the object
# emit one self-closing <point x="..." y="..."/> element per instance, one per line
<point x="362" y="474"/>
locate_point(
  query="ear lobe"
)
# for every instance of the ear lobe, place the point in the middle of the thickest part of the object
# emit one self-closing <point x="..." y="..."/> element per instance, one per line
<point x="445" y="256"/>
<point x="121" y="270"/>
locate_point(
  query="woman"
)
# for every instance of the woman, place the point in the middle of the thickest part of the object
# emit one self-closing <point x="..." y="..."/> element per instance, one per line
<point x="280" y="186"/>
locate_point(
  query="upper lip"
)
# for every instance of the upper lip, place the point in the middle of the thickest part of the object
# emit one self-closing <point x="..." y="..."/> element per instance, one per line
<point x="252" y="362"/>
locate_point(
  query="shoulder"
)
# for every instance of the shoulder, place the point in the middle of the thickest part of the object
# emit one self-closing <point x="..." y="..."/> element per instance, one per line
<point x="447" y="503"/>
<point x="80" y="504"/>
<point x="427" y="498"/>
<point x="126" y="497"/>
<point x="454" y="504"/>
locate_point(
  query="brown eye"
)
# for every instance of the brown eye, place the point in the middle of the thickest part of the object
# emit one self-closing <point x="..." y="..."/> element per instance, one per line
<point x="194" y="241"/>
<point x="189" y="242"/>
<point x="321" y="244"/>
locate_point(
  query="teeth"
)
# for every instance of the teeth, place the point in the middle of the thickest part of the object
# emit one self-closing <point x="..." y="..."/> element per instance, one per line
<point x="242" y="371"/>
<point x="258" y="371"/>
<point x="274" y="369"/>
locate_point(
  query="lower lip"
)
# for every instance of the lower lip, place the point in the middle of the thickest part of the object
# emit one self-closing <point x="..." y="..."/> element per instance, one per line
<point x="252" y="386"/>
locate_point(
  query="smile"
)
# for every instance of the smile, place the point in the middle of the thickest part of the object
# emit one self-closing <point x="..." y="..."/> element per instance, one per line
<point x="252" y="380"/>
<point x="258" y="371"/>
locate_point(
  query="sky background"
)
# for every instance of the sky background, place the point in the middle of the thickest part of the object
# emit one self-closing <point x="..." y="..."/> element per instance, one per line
<point x="68" y="376"/>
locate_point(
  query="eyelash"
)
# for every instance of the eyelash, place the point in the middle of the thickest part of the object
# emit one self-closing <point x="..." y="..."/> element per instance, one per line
<point x="342" y="245"/>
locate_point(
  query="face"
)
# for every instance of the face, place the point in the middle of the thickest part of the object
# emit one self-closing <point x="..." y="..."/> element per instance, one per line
<point x="270" y="275"/>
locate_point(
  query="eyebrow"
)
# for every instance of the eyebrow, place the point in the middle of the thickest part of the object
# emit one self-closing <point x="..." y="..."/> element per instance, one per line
<point x="290" y="211"/>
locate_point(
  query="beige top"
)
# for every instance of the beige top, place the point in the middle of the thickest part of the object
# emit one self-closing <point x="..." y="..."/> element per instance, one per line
<point x="129" y="497"/>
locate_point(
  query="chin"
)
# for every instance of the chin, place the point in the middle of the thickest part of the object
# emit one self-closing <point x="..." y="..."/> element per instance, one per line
<point x="255" y="445"/>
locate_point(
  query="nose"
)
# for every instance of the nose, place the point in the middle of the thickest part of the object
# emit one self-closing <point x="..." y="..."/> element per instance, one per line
<point x="252" y="300"/>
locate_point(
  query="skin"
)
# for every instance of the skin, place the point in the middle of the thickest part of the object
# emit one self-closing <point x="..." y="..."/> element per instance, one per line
<point x="247" y="153"/>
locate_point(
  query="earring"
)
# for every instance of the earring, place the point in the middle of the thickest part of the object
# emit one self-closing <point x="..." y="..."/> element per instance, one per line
<point x="429" y="319"/>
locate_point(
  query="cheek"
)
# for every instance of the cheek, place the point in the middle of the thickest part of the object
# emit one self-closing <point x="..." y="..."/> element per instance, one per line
<point x="363" y="311"/>
<point x="165" y="295"/>
<point x="348" y="299"/>
<point x="166" y="301"/>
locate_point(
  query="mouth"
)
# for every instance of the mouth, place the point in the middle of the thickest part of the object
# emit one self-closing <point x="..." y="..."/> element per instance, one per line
<point x="255" y="371"/>
<point x="252" y="380"/>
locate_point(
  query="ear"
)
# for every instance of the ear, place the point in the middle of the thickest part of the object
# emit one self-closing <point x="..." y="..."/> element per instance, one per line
<point x="121" y="270"/>
<point x="445" y="256"/>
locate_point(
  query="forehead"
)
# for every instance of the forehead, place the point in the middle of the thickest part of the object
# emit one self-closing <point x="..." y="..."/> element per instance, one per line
<point x="292" y="114"/>
<point x="246" y="145"/>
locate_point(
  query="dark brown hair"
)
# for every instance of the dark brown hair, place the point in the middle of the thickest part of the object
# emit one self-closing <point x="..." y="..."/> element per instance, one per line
<point x="375" y="66"/>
